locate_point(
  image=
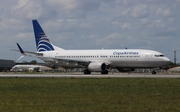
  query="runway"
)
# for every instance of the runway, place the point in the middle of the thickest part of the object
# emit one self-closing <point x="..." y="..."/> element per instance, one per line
<point x="88" y="76"/>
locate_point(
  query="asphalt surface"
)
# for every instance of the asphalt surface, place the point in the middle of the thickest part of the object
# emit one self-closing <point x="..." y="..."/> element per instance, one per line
<point x="53" y="75"/>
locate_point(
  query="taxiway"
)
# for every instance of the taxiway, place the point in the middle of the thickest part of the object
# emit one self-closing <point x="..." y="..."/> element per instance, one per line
<point x="88" y="76"/>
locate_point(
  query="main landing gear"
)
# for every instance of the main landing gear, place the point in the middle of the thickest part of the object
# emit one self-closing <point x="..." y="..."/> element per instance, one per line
<point x="86" y="71"/>
<point x="104" y="72"/>
<point x="153" y="72"/>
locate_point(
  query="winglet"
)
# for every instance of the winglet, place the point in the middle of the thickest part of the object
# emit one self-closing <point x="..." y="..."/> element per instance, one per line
<point x="20" y="49"/>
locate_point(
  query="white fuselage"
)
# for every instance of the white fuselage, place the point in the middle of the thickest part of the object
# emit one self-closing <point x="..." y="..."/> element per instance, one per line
<point x="131" y="58"/>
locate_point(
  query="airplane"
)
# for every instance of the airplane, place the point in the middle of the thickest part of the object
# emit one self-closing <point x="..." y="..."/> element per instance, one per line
<point x="124" y="60"/>
<point x="31" y="68"/>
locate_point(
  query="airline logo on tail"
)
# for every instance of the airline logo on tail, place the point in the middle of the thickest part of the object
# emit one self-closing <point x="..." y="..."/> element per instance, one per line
<point x="42" y="42"/>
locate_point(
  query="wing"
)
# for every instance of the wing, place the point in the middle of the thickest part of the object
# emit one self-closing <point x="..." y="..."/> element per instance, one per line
<point x="26" y="53"/>
<point x="29" y="52"/>
<point x="39" y="55"/>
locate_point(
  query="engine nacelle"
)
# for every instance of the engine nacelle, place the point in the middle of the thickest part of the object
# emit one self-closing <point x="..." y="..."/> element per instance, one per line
<point x="97" y="67"/>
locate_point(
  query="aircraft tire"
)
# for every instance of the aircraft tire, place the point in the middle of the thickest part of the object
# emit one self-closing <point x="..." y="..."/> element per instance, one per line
<point x="153" y="72"/>
<point x="104" y="72"/>
<point x="87" y="71"/>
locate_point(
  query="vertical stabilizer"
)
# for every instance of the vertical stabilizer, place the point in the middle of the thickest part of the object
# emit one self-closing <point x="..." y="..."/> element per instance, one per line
<point x="42" y="42"/>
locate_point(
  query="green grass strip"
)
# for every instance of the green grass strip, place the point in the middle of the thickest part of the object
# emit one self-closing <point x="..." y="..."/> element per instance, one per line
<point x="68" y="94"/>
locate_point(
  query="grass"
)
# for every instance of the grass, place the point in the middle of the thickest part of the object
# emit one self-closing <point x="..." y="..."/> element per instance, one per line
<point x="69" y="94"/>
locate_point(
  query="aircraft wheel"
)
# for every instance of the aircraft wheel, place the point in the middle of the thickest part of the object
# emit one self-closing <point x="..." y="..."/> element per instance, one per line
<point x="104" y="72"/>
<point x="153" y="72"/>
<point x="87" y="71"/>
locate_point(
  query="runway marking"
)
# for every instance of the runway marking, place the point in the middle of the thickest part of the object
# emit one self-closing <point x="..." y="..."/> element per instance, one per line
<point x="87" y="76"/>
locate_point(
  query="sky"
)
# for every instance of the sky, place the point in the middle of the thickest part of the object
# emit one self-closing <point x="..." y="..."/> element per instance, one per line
<point x="91" y="24"/>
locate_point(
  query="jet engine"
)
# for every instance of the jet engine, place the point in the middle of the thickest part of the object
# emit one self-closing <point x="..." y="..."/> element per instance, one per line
<point x="97" y="67"/>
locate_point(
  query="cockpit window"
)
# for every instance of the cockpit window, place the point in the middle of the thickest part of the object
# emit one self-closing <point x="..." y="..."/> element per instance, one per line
<point x="159" y="55"/>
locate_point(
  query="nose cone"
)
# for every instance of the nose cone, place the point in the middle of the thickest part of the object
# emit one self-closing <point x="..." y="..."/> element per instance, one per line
<point x="166" y="60"/>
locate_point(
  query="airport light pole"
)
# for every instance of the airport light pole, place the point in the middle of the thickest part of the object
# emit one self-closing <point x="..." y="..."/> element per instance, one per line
<point x="175" y="57"/>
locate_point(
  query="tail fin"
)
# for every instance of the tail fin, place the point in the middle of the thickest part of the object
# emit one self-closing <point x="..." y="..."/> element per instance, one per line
<point x="42" y="42"/>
